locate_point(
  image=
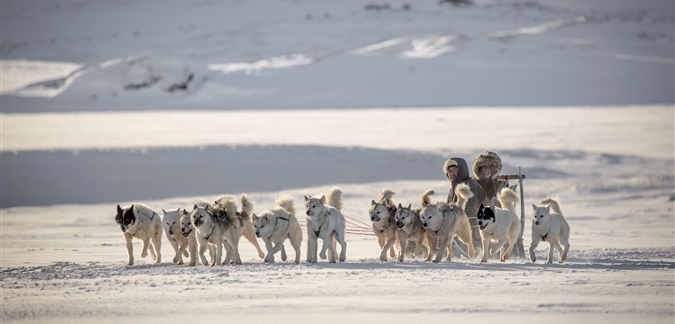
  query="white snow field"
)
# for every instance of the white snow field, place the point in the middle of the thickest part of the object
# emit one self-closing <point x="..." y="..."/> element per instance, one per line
<point x="168" y="102"/>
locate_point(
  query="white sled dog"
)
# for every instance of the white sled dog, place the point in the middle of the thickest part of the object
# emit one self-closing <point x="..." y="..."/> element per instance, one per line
<point x="218" y="231"/>
<point x="172" y="225"/>
<point x="447" y="220"/>
<point x="141" y="222"/>
<point x="276" y="225"/>
<point x="325" y="221"/>
<point x="548" y="224"/>
<point x="410" y="229"/>
<point x="244" y="225"/>
<point x="382" y="215"/>
<point x="188" y="232"/>
<point x="499" y="224"/>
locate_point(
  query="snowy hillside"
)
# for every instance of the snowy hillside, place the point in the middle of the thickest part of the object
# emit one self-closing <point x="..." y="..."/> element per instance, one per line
<point x="118" y="55"/>
<point x="165" y="102"/>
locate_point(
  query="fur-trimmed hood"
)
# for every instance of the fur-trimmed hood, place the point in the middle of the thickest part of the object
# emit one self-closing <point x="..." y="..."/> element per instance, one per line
<point x="491" y="160"/>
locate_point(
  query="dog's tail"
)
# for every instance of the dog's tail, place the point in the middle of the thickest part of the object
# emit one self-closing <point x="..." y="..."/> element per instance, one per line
<point x="246" y="205"/>
<point x="287" y="203"/>
<point x="508" y="198"/>
<point x="463" y="191"/>
<point x="386" y="196"/>
<point x="334" y="198"/>
<point x="553" y="202"/>
<point x="425" y="198"/>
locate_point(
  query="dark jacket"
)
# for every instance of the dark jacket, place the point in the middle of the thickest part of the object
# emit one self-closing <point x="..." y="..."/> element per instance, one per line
<point x="479" y="195"/>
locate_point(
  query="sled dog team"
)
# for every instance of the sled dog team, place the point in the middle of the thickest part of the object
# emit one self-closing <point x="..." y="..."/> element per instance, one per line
<point x="219" y="225"/>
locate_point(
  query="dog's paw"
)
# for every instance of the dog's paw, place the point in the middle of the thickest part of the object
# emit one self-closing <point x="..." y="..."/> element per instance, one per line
<point x="322" y="255"/>
<point x="131" y="262"/>
<point x="342" y="259"/>
<point x="178" y="260"/>
<point x="383" y="257"/>
<point x="144" y="254"/>
<point x="483" y="261"/>
<point x="269" y="259"/>
<point x="186" y="254"/>
<point x="435" y="261"/>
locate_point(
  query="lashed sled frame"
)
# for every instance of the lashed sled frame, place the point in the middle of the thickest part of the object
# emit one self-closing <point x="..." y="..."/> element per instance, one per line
<point x="520" y="249"/>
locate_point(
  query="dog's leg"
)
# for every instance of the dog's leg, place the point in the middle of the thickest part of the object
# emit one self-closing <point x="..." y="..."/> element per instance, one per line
<point x="192" y="246"/>
<point x="269" y="258"/>
<point x="389" y="245"/>
<point x="312" y="245"/>
<point x="212" y="253"/>
<point x="130" y="247"/>
<point x="219" y="252"/>
<point x="249" y="234"/>
<point x="157" y="244"/>
<point x="465" y="236"/>
<point x="144" y="249"/>
<point x="228" y="253"/>
<point x="433" y="243"/>
<point x="512" y="243"/>
<point x="284" y="256"/>
<point x="551" y="247"/>
<point x="177" y="258"/>
<point x="343" y="247"/>
<point x="325" y="246"/>
<point x="203" y="244"/>
<point x="235" y="247"/>
<point x="486" y="244"/>
<point x="442" y="246"/>
<point x="498" y="246"/>
<point x="295" y="242"/>
<point x="182" y="249"/>
<point x="402" y="242"/>
<point x="533" y="245"/>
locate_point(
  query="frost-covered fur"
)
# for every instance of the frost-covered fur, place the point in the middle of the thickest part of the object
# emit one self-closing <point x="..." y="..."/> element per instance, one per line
<point x="244" y="224"/>
<point x="140" y="222"/>
<point x="171" y="224"/>
<point x="410" y="229"/>
<point x="276" y="225"/>
<point x="381" y="214"/>
<point x="548" y="224"/>
<point x="501" y="225"/>
<point x="447" y="220"/>
<point x="325" y="221"/>
<point x="218" y="231"/>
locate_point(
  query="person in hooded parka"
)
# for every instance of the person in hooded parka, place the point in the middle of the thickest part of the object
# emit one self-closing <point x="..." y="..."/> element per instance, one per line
<point x="486" y="169"/>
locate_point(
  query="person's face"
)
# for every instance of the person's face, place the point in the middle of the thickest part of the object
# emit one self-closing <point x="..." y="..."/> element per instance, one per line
<point x="487" y="172"/>
<point x="452" y="172"/>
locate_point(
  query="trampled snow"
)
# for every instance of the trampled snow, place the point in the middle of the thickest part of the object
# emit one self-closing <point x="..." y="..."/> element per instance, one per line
<point x="172" y="102"/>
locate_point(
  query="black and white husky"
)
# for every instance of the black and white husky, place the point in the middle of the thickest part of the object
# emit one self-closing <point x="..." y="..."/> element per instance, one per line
<point x="140" y="222"/>
<point x="499" y="224"/>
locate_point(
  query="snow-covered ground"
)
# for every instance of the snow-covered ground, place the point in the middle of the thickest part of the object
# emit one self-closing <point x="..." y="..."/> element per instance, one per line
<point x="169" y="102"/>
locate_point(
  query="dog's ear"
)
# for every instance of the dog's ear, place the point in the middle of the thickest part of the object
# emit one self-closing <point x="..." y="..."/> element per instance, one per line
<point x="253" y="217"/>
<point x="399" y="206"/>
<point x="409" y="206"/>
<point x="119" y="210"/>
<point x="534" y="207"/>
<point x="265" y="217"/>
<point x="481" y="207"/>
<point x="492" y="205"/>
<point x="184" y="211"/>
<point x="373" y="202"/>
<point x="323" y="200"/>
<point x="195" y="207"/>
<point x="177" y="210"/>
<point x="306" y="199"/>
<point x="163" y="211"/>
<point x="548" y="208"/>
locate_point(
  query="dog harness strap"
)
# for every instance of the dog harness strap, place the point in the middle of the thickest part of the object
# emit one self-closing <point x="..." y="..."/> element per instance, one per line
<point x="543" y="237"/>
<point x="212" y="228"/>
<point x="286" y="219"/>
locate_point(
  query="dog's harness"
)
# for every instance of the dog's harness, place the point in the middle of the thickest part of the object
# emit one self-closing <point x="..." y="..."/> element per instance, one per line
<point x="139" y="225"/>
<point x="212" y="228"/>
<point x="543" y="237"/>
<point x="318" y="231"/>
<point x="276" y="221"/>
